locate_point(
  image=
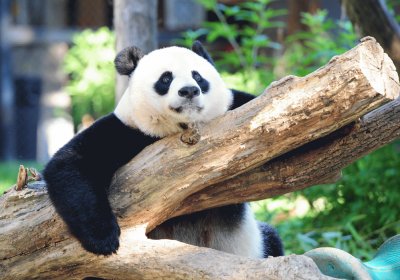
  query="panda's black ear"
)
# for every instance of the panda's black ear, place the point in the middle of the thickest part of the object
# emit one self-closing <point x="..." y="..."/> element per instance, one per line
<point x="127" y="59"/>
<point x="198" y="48"/>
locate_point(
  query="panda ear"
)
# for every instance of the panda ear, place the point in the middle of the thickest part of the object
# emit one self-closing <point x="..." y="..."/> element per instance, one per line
<point x="127" y="59"/>
<point x="198" y="48"/>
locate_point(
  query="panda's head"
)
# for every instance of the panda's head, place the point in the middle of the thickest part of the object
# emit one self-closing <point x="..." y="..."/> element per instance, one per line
<point x="170" y="88"/>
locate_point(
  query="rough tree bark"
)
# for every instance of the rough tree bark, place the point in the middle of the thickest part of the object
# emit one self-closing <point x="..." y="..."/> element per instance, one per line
<point x="371" y="18"/>
<point x="317" y="162"/>
<point x="34" y="242"/>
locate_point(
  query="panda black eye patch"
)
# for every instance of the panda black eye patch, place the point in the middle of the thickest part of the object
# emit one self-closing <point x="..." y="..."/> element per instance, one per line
<point x="163" y="83"/>
<point x="203" y="83"/>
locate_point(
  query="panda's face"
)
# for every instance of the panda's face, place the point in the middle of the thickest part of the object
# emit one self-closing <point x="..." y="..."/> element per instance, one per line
<point x="170" y="88"/>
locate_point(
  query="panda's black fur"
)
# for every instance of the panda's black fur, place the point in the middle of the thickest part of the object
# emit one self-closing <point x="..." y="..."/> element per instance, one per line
<point x="79" y="174"/>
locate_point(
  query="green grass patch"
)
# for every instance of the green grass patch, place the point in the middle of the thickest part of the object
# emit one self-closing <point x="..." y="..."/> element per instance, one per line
<point x="9" y="173"/>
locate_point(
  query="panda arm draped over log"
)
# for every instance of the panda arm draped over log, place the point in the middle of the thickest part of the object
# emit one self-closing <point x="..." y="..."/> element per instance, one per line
<point x="168" y="89"/>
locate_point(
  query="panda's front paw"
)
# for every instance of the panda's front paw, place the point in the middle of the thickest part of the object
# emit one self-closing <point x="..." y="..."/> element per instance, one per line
<point x="104" y="241"/>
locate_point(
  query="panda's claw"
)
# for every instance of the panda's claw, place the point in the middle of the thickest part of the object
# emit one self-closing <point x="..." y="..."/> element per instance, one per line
<point x="106" y="246"/>
<point x="99" y="243"/>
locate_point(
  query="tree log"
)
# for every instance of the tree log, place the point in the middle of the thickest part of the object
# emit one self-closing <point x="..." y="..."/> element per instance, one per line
<point x="34" y="242"/>
<point x="317" y="162"/>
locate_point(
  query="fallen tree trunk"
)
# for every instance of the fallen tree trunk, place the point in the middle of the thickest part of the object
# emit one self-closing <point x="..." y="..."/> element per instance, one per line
<point x="34" y="242"/>
<point x="318" y="162"/>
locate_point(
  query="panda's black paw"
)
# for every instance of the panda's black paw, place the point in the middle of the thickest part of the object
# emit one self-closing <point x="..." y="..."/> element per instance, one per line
<point x="103" y="241"/>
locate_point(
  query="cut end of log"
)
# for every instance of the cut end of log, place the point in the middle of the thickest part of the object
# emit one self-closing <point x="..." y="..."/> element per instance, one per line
<point x="378" y="68"/>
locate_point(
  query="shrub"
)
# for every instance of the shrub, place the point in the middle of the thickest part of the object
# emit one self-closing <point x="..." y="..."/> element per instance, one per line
<point x="89" y="63"/>
<point x="308" y="50"/>
<point x="249" y="42"/>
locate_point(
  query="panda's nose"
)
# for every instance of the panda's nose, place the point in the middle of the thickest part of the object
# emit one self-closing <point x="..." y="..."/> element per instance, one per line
<point x="189" y="92"/>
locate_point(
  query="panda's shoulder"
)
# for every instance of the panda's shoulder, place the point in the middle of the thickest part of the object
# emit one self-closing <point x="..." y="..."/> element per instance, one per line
<point x="240" y="98"/>
<point x="106" y="140"/>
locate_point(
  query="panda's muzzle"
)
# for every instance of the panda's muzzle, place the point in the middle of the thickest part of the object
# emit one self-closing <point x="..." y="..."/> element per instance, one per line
<point x="180" y="109"/>
<point x="189" y="92"/>
<point x="188" y="102"/>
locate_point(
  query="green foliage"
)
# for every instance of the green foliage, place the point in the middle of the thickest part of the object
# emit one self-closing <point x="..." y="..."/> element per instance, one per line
<point x="356" y="214"/>
<point x="89" y="63"/>
<point x="249" y="58"/>
<point x="249" y="41"/>
<point x="308" y="50"/>
<point x="9" y="172"/>
<point x="392" y="6"/>
<point x="378" y="178"/>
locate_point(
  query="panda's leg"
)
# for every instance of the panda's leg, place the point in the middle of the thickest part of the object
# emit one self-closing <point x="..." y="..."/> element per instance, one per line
<point x="231" y="229"/>
<point x="82" y="202"/>
<point x="271" y="241"/>
<point x="234" y="230"/>
<point x="244" y="235"/>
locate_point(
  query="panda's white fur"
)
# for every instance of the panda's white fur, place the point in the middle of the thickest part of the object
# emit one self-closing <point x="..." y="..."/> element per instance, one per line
<point x="145" y="109"/>
<point x="245" y="240"/>
<point x="142" y="107"/>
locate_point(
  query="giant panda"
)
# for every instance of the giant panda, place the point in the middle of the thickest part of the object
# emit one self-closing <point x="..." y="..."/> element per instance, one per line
<point x="168" y="89"/>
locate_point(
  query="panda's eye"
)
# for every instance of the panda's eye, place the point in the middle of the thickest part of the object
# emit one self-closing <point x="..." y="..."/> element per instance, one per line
<point x="203" y="83"/>
<point x="196" y="76"/>
<point x="166" y="78"/>
<point x="163" y="83"/>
